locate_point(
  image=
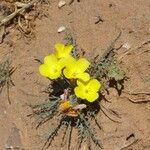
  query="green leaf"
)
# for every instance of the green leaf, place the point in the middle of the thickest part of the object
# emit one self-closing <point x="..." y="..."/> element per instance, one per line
<point x="115" y="72"/>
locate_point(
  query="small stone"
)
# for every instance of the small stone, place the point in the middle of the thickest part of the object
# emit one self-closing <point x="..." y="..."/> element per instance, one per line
<point x="126" y="46"/>
<point x="61" y="3"/>
<point x="61" y="29"/>
<point x="14" y="139"/>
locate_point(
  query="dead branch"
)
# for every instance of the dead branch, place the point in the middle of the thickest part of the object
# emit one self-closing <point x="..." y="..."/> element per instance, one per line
<point x="127" y="146"/>
<point x="16" y="12"/>
<point x="139" y="101"/>
<point x="136" y="93"/>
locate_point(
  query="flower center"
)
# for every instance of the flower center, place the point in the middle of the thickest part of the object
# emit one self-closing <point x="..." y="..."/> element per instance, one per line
<point x="86" y="91"/>
<point x="74" y="74"/>
<point x="55" y="70"/>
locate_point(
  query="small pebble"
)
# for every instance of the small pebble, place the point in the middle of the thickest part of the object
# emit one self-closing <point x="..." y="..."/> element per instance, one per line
<point x="61" y="29"/>
<point x="61" y="3"/>
<point x="126" y="46"/>
<point x="14" y="140"/>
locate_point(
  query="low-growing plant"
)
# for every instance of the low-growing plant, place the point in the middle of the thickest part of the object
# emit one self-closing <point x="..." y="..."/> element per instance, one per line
<point x="74" y="92"/>
<point x="5" y="76"/>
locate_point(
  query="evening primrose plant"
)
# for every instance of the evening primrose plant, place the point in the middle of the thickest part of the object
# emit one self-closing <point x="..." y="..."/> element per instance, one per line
<point x="74" y="94"/>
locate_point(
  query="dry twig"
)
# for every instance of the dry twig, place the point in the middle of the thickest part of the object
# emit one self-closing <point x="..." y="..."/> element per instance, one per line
<point x="16" y="12"/>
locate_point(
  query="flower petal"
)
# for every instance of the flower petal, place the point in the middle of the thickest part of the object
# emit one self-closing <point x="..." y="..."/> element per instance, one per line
<point x="82" y="64"/>
<point x="68" y="73"/>
<point x="68" y="49"/>
<point x="83" y="76"/>
<point x="59" y="49"/>
<point x="79" y="92"/>
<point x="50" y="72"/>
<point x="70" y="70"/>
<point x="94" y="85"/>
<point x="44" y="70"/>
<point x="92" y="96"/>
<point x="62" y="50"/>
<point x="63" y="62"/>
<point x="55" y="73"/>
<point x="50" y="60"/>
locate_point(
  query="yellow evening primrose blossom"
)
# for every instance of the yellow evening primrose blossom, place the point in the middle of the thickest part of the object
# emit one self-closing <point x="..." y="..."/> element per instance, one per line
<point x="88" y="90"/>
<point x="66" y="61"/>
<point x="51" y="67"/>
<point x="63" y="51"/>
<point x="75" y="69"/>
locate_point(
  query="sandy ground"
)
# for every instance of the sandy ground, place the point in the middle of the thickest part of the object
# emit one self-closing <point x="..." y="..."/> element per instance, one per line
<point x="132" y="17"/>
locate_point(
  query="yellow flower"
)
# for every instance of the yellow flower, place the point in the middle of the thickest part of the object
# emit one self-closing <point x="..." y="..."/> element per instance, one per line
<point x="88" y="90"/>
<point x="62" y="50"/>
<point x="75" y="69"/>
<point x="66" y="61"/>
<point x="51" y="67"/>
